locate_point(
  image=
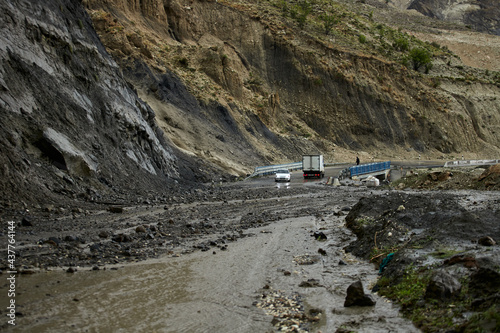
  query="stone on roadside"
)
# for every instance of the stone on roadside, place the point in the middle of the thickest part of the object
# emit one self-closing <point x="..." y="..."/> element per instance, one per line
<point x="319" y="235"/>
<point x="442" y="286"/>
<point x="356" y="296"/>
<point x="486" y="241"/>
<point x="121" y="238"/>
<point x="310" y="283"/>
<point x="140" y="228"/>
<point x="27" y="222"/>
<point x="485" y="282"/>
<point x="116" y="209"/>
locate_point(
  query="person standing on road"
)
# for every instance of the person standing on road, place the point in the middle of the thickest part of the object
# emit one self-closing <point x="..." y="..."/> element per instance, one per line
<point x="357" y="160"/>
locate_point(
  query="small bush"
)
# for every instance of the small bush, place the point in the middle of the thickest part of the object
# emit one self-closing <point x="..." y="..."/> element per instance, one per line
<point x="420" y="57"/>
<point x="401" y="44"/>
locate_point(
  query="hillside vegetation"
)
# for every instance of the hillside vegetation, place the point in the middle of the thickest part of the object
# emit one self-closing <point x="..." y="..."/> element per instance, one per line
<point x="93" y="92"/>
<point x="297" y="76"/>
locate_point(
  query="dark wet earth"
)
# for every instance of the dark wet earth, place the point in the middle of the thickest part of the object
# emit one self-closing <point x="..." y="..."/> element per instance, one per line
<point x="238" y="258"/>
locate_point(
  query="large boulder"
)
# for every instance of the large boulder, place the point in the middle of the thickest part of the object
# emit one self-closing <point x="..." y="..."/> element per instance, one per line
<point x="442" y="286"/>
<point x="66" y="155"/>
<point x="356" y="296"/>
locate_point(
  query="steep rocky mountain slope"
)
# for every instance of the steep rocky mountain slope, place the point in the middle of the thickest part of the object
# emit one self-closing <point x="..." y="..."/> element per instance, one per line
<point x="71" y="127"/>
<point x="313" y="91"/>
<point x="483" y="16"/>
<point x="200" y="90"/>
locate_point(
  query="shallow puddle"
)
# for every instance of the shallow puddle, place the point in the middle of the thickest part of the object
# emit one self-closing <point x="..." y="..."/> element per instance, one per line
<point x="212" y="291"/>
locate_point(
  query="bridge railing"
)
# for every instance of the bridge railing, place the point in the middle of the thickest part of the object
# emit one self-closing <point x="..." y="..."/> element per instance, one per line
<point x="271" y="169"/>
<point x="470" y="163"/>
<point x="369" y="168"/>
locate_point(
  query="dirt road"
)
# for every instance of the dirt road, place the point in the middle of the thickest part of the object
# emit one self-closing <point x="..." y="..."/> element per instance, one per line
<point x="253" y="257"/>
<point x="235" y="285"/>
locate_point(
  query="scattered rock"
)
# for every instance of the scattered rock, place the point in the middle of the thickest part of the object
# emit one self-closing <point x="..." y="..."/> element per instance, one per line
<point x="493" y="170"/>
<point x="442" y="286"/>
<point x="122" y="238"/>
<point x="27" y="222"/>
<point x="310" y="283"/>
<point x="306" y="259"/>
<point x="140" y="229"/>
<point x="71" y="270"/>
<point x="116" y="209"/>
<point x="439" y="176"/>
<point x="486" y="241"/>
<point x="319" y="235"/>
<point x="484" y="282"/>
<point x="322" y="252"/>
<point x="356" y="296"/>
<point x="103" y="234"/>
<point x="467" y="261"/>
<point x="54" y="241"/>
<point x="70" y="239"/>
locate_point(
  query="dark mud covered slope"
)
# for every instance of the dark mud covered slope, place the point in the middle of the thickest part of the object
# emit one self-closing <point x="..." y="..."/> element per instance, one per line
<point x="70" y="126"/>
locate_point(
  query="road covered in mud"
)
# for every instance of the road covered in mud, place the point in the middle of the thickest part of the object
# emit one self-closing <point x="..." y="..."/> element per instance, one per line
<point x="262" y="257"/>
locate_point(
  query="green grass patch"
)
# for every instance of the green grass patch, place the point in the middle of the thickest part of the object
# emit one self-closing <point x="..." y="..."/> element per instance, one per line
<point x="444" y="253"/>
<point x="407" y="291"/>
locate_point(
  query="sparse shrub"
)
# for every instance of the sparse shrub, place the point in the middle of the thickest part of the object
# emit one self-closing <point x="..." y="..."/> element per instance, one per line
<point x="300" y="12"/>
<point x="436" y="82"/>
<point x="224" y="59"/>
<point x="420" y="57"/>
<point x="284" y="7"/>
<point x="362" y="39"/>
<point x="329" y="21"/>
<point x="318" y="82"/>
<point x="401" y="44"/>
<point x="436" y="45"/>
<point x="183" y="62"/>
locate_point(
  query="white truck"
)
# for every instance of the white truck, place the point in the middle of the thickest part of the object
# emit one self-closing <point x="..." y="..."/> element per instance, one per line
<point x="313" y="166"/>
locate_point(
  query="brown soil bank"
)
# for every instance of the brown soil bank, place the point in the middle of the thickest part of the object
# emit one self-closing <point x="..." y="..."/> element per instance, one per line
<point x="437" y="251"/>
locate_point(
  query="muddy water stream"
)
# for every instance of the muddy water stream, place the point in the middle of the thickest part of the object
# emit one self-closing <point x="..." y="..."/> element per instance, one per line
<point x="215" y="290"/>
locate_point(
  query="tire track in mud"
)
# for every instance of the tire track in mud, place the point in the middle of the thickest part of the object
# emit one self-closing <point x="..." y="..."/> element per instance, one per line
<point x="217" y="290"/>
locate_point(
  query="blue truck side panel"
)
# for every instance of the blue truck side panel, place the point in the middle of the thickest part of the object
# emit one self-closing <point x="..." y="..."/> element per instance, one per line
<point x="369" y="168"/>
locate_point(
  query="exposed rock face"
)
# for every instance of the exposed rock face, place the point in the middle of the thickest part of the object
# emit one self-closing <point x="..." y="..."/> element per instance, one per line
<point x="66" y="112"/>
<point x="480" y="15"/>
<point x="327" y="94"/>
<point x="193" y="91"/>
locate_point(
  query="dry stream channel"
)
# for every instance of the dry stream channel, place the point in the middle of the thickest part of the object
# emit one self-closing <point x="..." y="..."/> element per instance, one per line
<point x="276" y="276"/>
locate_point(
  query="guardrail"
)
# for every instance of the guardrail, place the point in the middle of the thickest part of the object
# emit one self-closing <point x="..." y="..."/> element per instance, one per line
<point x="470" y="163"/>
<point x="271" y="169"/>
<point x="369" y="168"/>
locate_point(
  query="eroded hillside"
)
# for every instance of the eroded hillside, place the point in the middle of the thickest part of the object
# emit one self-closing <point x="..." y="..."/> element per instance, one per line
<point x="202" y="90"/>
<point x="71" y="127"/>
<point x="260" y="84"/>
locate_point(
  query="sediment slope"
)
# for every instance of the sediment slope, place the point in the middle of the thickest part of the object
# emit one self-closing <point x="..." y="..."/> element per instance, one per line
<point x="283" y="85"/>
